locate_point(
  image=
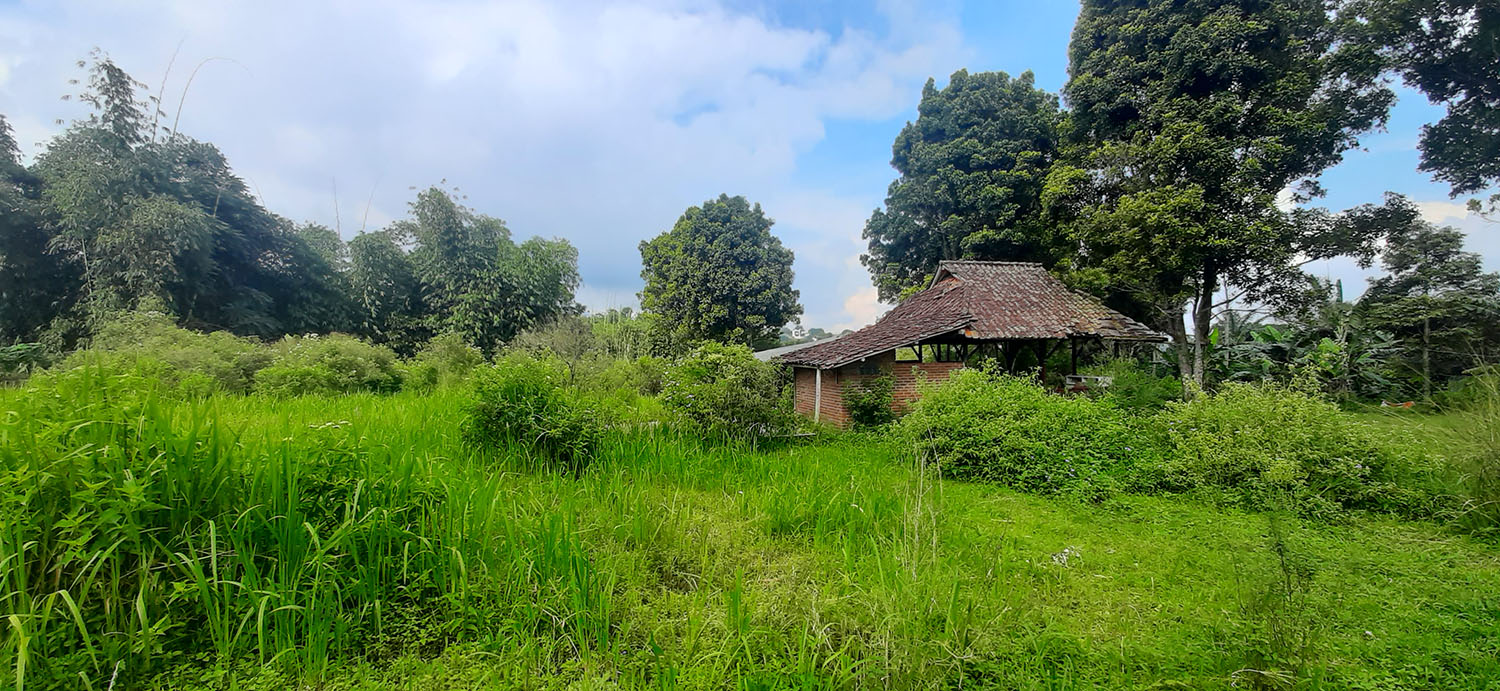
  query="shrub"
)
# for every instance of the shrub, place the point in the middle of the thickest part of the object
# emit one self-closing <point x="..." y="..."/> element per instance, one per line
<point x="984" y="425"/>
<point x="869" y="402"/>
<point x="1136" y="389"/>
<point x="643" y="375"/>
<point x="724" y="391"/>
<point x="20" y="359"/>
<point x="1479" y="438"/>
<point x="1264" y="443"/>
<point x="186" y="360"/>
<point x="522" y="400"/>
<point x="444" y="360"/>
<point x="330" y="364"/>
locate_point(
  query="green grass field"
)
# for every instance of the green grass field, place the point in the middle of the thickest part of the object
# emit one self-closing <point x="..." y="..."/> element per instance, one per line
<point x="369" y="550"/>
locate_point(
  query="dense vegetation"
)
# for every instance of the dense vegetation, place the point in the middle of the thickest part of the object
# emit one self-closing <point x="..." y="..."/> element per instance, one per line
<point x="720" y="275"/>
<point x="120" y="214"/>
<point x="1156" y="185"/>
<point x="243" y="453"/>
<point x="510" y="525"/>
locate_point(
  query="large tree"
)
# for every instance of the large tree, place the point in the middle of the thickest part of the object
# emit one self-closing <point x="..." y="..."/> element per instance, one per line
<point x="385" y="291"/>
<point x="166" y="220"/>
<point x="719" y="274"/>
<point x="1190" y="116"/>
<point x="1450" y="49"/>
<point x="971" y="170"/>
<point x="1438" y="301"/>
<point x="475" y="280"/>
<point x="35" y="282"/>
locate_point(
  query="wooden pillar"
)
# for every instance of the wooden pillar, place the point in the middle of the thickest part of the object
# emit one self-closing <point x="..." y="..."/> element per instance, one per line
<point x="1073" y="355"/>
<point x="1010" y="349"/>
<point x="1042" y="351"/>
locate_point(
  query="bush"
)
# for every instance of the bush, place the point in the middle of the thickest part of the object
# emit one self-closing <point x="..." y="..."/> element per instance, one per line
<point x="984" y="425"/>
<point x="869" y="403"/>
<point x="331" y="364"/>
<point x="724" y="391"/>
<point x="1136" y="389"/>
<point x="444" y="360"/>
<point x="1261" y="444"/>
<point x="643" y="375"/>
<point x="186" y="360"/>
<point x="522" y="400"/>
<point x="1479" y="439"/>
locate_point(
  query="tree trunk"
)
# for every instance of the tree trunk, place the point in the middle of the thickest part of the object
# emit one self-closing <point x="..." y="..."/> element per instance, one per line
<point x="1203" y="314"/>
<point x="1175" y="327"/>
<point x="1427" y="355"/>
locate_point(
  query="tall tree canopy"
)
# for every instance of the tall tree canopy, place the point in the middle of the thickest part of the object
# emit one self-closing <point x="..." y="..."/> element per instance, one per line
<point x="971" y="168"/>
<point x="1190" y="117"/>
<point x="167" y="220"/>
<point x="1438" y="301"/>
<point x="1450" y="49"/>
<point x="34" y="280"/>
<point x="719" y="274"/>
<point x="115" y="214"/>
<point x="476" y="281"/>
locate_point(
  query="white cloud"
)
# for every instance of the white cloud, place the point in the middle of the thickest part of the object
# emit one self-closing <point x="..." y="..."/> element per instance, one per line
<point x="1441" y="212"/>
<point x="863" y="308"/>
<point x="595" y="121"/>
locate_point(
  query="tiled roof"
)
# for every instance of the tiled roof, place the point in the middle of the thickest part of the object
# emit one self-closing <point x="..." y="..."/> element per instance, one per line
<point x="774" y="353"/>
<point x="988" y="301"/>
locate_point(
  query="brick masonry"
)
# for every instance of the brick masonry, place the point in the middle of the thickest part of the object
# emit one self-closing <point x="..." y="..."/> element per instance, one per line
<point x="908" y="376"/>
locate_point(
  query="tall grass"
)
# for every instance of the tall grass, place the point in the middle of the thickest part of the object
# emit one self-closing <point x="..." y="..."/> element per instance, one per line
<point x="1479" y="438"/>
<point x="355" y="542"/>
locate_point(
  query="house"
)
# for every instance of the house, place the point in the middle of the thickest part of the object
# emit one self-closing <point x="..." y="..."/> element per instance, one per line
<point x="971" y="309"/>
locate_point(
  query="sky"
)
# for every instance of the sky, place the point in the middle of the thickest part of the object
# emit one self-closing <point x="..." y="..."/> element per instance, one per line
<point x="599" y="122"/>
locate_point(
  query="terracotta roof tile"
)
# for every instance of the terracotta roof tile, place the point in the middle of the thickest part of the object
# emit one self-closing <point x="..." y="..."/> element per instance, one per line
<point x="989" y="301"/>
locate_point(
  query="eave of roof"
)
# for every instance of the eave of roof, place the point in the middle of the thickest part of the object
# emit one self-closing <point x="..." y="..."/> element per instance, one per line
<point x="990" y="301"/>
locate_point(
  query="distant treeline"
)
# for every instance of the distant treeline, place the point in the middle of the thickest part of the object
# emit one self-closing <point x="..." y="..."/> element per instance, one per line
<point x="119" y="213"/>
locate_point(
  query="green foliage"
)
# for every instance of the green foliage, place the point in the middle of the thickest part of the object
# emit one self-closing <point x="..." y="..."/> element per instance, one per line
<point x="443" y="361"/>
<point x="972" y="168"/>
<point x="113" y="216"/>
<point x="387" y="296"/>
<point x="524" y="401"/>
<point x="1439" y="304"/>
<point x="869" y="402"/>
<point x="325" y="365"/>
<point x="479" y="283"/>
<point x="644" y="375"/>
<point x="218" y="361"/>
<point x="1447" y="49"/>
<point x="1137" y="389"/>
<point x="1479" y="452"/>
<point x="22" y="358"/>
<point x="994" y="427"/>
<point x="720" y="275"/>
<point x="1189" y="118"/>
<point x="356" y="543"/>
<point x="139" y="536"/>
<point x="723" y="391"/>
<point x="1270" y="443"/>
<point x="1260" y="446"/>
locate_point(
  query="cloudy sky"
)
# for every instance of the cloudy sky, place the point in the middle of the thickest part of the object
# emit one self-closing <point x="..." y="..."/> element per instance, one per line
<point x="594" y="121"/>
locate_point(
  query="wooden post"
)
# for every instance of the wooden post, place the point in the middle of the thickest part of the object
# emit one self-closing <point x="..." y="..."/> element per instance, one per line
<point x="817" y="393"/>
<point x="1073" y="354"/>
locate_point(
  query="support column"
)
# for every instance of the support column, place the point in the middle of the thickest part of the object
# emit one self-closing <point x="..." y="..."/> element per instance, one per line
<point x="817" y="393"/>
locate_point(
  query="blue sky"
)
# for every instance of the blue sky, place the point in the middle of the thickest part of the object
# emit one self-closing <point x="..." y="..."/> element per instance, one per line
<point x="594" y="121"/>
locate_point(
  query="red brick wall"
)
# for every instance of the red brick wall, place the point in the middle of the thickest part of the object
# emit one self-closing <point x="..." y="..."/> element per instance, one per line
<point x="907" y="376"/>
